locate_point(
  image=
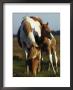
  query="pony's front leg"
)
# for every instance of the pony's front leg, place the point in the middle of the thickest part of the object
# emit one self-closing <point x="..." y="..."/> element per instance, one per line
<point x="51" y="60"/>
<point x="27" y="63"/>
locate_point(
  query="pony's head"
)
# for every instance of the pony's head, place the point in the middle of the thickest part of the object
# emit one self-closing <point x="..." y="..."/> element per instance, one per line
<point x="33" y="52"/>
<point x="34" y="57"/>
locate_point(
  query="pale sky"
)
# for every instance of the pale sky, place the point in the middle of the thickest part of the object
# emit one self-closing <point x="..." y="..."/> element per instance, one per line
<point x="52" y="18"/>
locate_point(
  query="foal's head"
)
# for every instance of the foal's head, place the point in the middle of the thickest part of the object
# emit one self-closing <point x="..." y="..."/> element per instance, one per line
<point x="45" y="31"/>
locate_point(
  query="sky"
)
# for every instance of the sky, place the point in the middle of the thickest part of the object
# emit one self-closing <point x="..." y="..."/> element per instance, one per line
<point x="52" y="18"/>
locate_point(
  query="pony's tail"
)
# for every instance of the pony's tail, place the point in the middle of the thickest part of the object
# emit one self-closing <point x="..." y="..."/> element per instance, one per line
<point x="18" y="38"/>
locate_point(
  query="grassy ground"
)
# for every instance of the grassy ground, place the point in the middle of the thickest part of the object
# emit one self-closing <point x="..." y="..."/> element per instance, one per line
<point x="19" y="64"/>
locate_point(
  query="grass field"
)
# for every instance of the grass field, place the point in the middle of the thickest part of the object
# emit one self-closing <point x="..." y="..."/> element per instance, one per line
<point x="19" y="64"/>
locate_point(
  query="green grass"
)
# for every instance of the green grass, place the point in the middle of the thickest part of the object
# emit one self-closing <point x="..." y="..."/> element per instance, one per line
<point x="19" y="64"/>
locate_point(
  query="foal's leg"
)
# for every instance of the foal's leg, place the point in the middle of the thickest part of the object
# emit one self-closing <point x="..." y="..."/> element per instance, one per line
<point x="56" y="59"/>
<point x="51" y="60"/>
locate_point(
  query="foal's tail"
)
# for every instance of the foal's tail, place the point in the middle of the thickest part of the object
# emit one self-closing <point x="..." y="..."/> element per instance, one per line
<point x="53" y="39"/>
<point x="52" y="36"/>
<point x="18" y="38"/>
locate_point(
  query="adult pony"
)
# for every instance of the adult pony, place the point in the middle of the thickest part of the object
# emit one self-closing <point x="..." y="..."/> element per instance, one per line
<point x="29" y="29"/>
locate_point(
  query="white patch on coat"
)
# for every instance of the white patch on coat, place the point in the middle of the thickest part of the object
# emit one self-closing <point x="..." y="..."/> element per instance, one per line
<point x="27" y="39"/>
<point x="35" y="25"/>
<point x="56" y="59"/>
<point x="26" y="54"/>
<point x="50" y="57"/>
<point x="32" y="39"/>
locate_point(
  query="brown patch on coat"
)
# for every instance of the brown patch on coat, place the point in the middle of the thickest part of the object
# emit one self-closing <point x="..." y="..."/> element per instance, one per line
<point x="35" y="65"/>
<point x="27" y="27"/>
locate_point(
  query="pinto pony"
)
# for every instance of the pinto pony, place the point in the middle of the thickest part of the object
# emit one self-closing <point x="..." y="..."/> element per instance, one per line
<point x="30" y="29"/>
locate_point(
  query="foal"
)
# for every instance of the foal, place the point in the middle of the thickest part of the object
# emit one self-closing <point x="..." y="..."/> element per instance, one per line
<point x="49" y="44"/>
